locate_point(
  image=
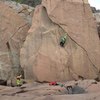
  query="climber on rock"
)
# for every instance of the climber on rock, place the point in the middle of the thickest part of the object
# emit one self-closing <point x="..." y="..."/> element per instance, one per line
<point x="62" y="41"/>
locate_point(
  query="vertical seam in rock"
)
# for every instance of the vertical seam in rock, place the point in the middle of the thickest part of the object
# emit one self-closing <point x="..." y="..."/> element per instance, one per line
<point x="86" y="53"/>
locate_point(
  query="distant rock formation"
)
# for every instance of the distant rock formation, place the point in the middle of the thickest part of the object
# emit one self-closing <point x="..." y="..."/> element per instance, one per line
<point x="97" y="17"/>
<point x="93" y="9"/>
<point x="96" y="14"/>
<point x="43" y="59"/>
<point x="99" y="29"/>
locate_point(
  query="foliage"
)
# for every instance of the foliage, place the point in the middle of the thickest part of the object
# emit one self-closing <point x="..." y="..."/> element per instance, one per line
<point x="29" y="2"/>
<point x="18" y="1"/>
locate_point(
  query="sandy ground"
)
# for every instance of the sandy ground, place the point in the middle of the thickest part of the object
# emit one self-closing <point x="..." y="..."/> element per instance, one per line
<point x="81" y="90"/>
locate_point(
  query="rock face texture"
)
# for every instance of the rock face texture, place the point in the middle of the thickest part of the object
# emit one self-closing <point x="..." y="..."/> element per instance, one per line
<point x="13" y="30"/>
<point x="23" y="10"/>
<point x="43" y="59"/>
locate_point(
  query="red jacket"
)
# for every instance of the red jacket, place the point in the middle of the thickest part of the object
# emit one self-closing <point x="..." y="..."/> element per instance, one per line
<point x="53" y="83"/>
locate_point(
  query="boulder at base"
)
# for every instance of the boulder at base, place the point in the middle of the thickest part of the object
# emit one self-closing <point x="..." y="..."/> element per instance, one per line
<point x="43" y="59"/>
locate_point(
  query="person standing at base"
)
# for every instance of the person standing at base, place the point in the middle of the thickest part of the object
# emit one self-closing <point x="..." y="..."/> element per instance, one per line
<point x="18" y="80"/>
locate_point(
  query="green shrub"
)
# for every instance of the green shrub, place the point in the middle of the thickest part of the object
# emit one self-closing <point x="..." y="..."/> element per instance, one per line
<point x="29" y="2"/>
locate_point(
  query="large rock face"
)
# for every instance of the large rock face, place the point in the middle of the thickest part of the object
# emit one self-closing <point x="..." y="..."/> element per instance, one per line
<point x="43" y="59"/>
<point x="13" y="30"/>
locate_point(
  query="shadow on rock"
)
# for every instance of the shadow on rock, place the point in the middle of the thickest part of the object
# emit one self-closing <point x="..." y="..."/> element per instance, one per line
<point x="3" y="82"/>
<point x="77" y="90"/>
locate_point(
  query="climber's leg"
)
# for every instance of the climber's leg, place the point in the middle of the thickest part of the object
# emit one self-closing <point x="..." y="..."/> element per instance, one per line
<point x="61" y="44"/>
